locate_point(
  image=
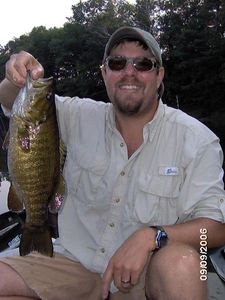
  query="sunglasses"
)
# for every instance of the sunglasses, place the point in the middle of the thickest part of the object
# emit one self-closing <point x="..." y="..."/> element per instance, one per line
<point x="141" y="64"/>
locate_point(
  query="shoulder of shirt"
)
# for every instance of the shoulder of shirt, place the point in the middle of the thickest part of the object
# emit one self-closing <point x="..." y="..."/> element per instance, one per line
<point x="83" y="103"/>
<point x="189" y="123"/>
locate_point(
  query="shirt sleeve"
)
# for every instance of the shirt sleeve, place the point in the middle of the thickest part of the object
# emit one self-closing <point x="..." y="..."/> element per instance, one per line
<point x="202" y="194"/>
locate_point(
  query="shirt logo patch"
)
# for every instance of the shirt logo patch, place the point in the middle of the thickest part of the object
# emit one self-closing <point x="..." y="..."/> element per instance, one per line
<point x="171" y="171"/>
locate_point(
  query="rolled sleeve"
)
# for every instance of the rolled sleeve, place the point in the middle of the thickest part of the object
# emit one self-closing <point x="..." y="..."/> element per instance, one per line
<point x="203" y="191"/>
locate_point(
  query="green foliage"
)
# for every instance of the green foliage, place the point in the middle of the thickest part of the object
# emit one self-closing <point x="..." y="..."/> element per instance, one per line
<point x="193" y="42"/>
<point x="191" y="34"/>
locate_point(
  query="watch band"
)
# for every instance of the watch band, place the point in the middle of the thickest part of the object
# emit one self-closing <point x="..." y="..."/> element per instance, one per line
<point x="161" y="237"/>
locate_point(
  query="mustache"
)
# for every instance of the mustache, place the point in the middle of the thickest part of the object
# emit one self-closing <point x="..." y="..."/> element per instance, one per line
<point x="129" y="80"/>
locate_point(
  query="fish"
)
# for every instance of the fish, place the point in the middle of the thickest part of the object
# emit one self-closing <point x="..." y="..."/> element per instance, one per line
<point x="34" y="161"/>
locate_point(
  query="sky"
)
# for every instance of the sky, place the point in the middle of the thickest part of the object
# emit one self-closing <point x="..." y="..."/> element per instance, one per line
<point x="18" y="17"/>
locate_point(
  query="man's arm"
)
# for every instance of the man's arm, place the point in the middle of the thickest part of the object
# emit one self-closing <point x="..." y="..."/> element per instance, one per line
<point x="8" y="93"/>
<point x="190" y="232"/>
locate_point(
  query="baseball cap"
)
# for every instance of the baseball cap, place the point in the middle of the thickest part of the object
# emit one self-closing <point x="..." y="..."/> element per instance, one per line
<point x="128" y="32"/>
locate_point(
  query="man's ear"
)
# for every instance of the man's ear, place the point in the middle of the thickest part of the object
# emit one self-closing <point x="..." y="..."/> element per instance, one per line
<point x="161" y="72"/>
<point x="103" y="71"/>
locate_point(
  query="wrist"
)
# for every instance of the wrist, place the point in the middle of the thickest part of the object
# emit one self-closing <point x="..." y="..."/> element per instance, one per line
<point x="148" y="238"/>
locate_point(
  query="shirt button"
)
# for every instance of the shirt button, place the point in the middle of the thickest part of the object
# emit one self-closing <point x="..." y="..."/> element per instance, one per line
<point x="221" y="200"/>
<point x="121" y="145"/>
<point x="117" y="200"/>
<point x="111" y="225"/>
<point x="102" y="250"/>
<point x="122" y="173"/>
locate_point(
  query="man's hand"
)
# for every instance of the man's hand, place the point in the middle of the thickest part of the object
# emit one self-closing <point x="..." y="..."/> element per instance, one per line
<point x="128" y="262"/>
<point x="18" y="65"/>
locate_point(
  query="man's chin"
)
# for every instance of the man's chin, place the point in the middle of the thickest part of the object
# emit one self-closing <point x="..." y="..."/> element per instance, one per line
<point x="128" y="110"/>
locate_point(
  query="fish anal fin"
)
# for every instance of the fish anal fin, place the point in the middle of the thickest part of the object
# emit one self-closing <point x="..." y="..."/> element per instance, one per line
<point x="57" y="196"/>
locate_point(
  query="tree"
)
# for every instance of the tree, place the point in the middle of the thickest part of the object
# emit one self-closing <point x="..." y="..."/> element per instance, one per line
<point x="193" y="52"/>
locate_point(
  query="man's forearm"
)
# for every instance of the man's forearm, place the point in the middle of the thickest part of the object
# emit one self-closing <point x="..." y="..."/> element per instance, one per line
<point x="190" y="232"/>
<point x="8" y="93"/>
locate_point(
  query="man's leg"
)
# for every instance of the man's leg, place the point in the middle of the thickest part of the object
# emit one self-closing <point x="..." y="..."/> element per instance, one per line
<point x="56" y="278"/>
<point x="12" y="284"/>
<point x="174" y="274"/>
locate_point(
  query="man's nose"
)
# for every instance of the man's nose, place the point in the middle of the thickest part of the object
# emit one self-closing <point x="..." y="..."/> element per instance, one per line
<point x="129" y="68"/>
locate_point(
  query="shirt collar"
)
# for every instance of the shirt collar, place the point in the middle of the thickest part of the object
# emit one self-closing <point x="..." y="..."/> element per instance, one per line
<point x="149" y="129"/>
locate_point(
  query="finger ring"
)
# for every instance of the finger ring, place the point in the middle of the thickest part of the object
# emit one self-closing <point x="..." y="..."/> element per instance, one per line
<point x="14" y="78"/>
<point x="125" y="281"/>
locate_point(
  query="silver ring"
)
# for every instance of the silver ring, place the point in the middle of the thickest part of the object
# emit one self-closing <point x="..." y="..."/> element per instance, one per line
<point x="125" y="281"/>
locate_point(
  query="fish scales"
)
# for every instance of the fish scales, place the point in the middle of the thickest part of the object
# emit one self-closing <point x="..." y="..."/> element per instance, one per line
<point x="33" y="160"/>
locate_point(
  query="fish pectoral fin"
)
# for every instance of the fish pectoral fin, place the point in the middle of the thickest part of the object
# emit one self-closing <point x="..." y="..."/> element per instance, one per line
<point x="14" y="202"/>
<point x="23" y="138"/>
<point x="36" y="238"/>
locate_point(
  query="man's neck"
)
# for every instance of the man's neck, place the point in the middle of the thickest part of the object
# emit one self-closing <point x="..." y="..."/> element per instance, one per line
<point x="131" y="129"/>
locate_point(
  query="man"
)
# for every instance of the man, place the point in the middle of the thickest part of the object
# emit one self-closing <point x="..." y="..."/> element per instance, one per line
<point x="144" y="181"/>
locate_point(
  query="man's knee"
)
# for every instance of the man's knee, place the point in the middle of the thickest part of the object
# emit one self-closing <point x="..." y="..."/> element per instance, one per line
<point x="177" y="256"/>
<point x="172" y="269"/>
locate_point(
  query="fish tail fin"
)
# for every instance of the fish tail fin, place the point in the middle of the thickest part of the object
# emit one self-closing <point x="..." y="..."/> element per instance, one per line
<point x="36" y="238"/>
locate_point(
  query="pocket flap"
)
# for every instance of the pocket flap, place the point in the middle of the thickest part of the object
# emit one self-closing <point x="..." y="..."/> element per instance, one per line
<point x="161" y="185"/>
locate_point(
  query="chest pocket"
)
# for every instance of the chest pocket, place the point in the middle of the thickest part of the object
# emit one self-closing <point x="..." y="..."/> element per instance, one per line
<point x="156" y="199"/>
<point x="92" y="187"/>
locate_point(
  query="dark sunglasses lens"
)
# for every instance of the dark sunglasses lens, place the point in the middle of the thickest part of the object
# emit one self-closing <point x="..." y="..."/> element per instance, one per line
<point x="117" y="63"/>
<point x="143" y="64"/>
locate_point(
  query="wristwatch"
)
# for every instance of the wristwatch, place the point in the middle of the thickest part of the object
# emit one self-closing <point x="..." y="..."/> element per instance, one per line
<point x="161" y="237"/>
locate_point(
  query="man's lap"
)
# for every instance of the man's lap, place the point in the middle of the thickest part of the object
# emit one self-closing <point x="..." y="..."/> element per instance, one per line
<point x="57" y="277"/>
<point x="64" y="279"/>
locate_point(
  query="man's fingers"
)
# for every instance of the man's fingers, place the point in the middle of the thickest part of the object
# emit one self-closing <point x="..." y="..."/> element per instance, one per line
<point x="135" y="277"/>
<point x="14" y="72"/>
<point x="106" y="279"/>
<point x="19" y="64"/>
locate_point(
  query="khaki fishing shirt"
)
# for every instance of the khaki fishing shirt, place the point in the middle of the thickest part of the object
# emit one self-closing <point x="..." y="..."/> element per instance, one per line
<point x="173" y="177"/>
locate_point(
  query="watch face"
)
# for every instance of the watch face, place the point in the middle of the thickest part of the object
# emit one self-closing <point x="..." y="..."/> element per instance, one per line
<point x="161" y="238"/>
<point x="164" y="238"/>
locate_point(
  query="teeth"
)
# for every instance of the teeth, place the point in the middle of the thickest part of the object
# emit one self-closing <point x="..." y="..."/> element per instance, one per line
<point x="129" y="87"/>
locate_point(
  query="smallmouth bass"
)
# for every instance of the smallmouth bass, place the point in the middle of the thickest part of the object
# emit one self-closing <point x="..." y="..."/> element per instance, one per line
<point x="34" y="160"/>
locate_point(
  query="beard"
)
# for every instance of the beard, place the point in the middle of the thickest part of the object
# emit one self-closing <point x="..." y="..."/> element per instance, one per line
<point x="131" y="103"/>
<point x="127" y="107"/>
